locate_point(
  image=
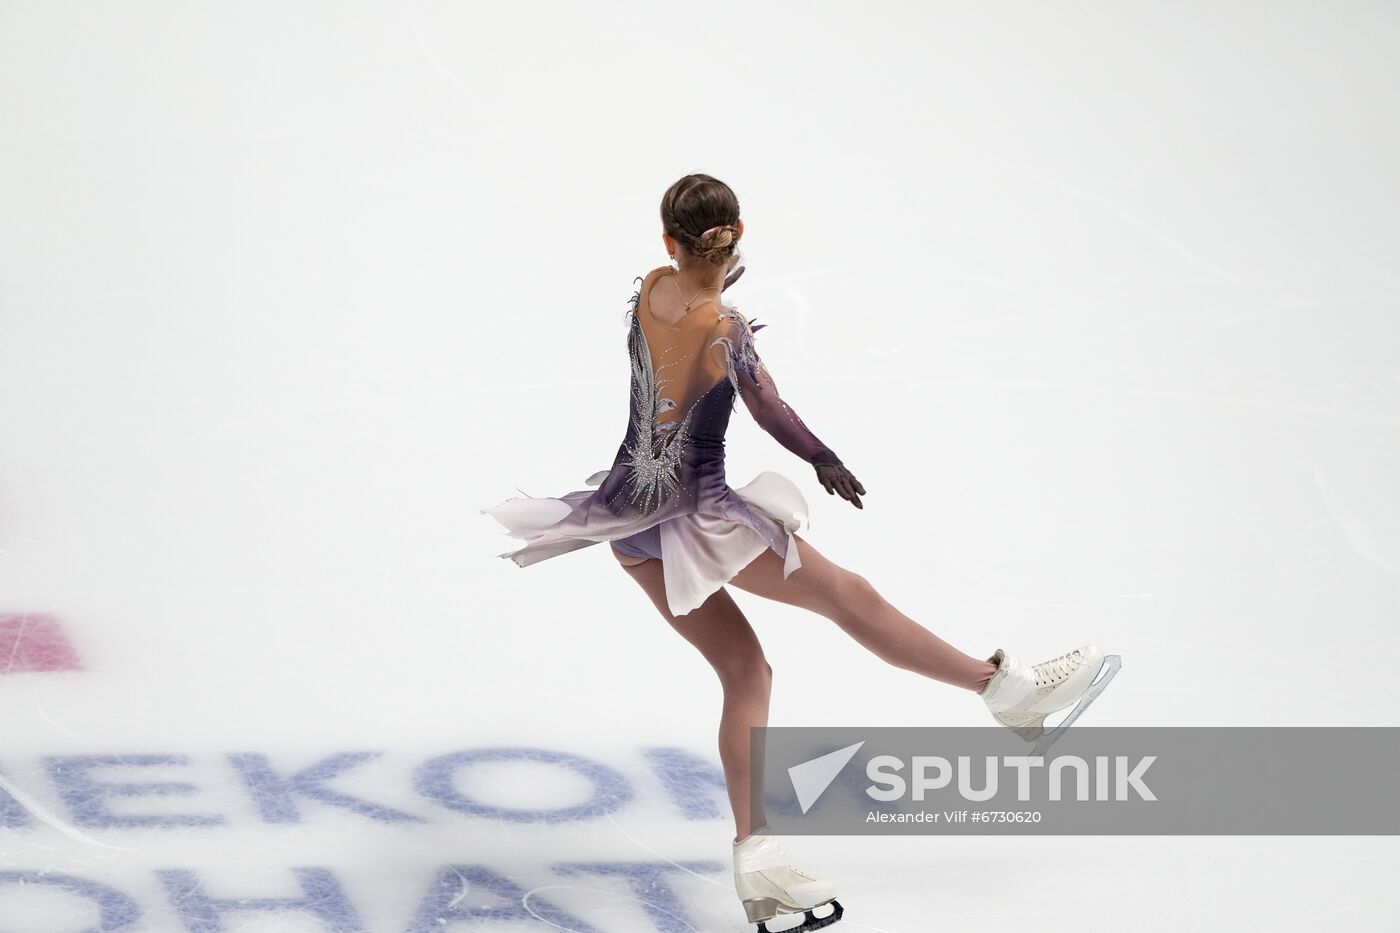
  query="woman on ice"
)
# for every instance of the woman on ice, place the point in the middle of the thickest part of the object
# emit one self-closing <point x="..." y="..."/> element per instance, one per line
<point x="678" y="529"/>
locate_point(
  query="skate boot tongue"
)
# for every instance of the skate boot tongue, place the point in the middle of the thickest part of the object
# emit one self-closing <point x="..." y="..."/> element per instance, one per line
<point x="1011" y="685"/>
<point x="757" y="852"/>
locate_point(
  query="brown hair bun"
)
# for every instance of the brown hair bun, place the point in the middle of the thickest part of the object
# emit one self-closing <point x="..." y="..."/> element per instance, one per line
<point x="702" y="214"/>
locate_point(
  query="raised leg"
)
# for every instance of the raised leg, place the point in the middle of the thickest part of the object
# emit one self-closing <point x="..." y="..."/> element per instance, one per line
<point x="724" y="637"/>
<point x="849" y="600"/>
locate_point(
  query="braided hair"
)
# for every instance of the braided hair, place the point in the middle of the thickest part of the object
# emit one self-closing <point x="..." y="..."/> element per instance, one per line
<point x="702" y="213"/>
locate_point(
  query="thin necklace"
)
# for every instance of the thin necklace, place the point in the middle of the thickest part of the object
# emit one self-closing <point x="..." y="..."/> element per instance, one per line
<point x="682" y="294"/>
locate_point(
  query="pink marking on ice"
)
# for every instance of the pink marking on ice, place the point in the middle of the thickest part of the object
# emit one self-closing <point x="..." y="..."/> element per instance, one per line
<point x="34" y="643"/>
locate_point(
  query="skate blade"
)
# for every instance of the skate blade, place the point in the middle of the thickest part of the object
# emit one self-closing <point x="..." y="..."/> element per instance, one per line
<point x="1112" y="664"/>
<point x="809" y="922"/>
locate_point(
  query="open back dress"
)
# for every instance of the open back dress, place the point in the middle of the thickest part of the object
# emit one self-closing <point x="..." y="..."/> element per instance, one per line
<point x="665" y="495"/>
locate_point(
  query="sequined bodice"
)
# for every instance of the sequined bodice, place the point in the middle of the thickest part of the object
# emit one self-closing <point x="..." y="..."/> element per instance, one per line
<point x="686" y="378"/>
<point x="681" y="399"/>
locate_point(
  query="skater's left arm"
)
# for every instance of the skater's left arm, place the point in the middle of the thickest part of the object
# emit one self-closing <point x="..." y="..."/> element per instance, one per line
<point x="754" y="383"/>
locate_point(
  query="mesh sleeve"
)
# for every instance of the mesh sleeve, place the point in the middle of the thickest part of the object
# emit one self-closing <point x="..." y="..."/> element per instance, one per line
<point x="734" y="340"/>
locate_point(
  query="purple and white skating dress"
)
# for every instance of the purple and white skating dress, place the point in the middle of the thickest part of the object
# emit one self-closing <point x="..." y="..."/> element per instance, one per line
<point x="665" y="495"/>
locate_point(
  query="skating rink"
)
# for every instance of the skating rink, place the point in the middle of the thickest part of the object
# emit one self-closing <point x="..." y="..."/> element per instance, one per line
<point x="1099" y="301"/>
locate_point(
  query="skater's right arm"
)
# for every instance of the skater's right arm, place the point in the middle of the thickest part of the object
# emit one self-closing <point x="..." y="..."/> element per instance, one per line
<point x="733" y="346"/>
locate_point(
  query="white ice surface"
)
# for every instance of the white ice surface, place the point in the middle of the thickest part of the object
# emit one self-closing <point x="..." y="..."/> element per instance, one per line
<point x="1099" y="302"/>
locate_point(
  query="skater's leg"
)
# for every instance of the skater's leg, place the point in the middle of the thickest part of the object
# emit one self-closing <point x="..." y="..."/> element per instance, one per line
<point x="849" y="600"/>
<point x="719" y="630"/>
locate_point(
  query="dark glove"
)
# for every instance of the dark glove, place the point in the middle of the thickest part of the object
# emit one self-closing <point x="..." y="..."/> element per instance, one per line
<point x="838" y="480"/>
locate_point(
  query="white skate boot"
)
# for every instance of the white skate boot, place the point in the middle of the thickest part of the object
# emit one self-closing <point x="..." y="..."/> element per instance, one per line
<point x="1020" y="697"/>
<point x="768" y="885"/>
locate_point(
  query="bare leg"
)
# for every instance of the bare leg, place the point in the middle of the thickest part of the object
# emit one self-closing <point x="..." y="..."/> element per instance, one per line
<point x="722" y="634"/>
<point x="849" y="600"/>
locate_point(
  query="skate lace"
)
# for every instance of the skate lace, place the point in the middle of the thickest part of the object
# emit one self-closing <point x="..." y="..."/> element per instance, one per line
<point x="1057" y="669"/>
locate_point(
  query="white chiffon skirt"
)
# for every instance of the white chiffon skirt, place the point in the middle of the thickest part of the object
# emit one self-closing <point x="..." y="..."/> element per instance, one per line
<point x="700" y="551"/>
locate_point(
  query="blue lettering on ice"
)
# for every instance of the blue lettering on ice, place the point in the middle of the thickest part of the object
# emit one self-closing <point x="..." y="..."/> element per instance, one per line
<point x="446" y="905"/>
<point x="434" y="779"/>
<point x="13" y="814"/>
<point x="694" y="785"/>
<point x="458" y="894"/>
<point x="273" y="793"/>
<point x="647" y="882"/>
<point x="87" y="799"/>
<point x="115" y="911"/>
<point x="322" y="897"/>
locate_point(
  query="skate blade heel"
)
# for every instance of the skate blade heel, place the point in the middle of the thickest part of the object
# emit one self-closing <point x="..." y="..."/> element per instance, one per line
<point x="1028" y="728"/>
<point x="809" y="922"/>
<point x="760" y="909"/>
<point x="1112" y="664"/>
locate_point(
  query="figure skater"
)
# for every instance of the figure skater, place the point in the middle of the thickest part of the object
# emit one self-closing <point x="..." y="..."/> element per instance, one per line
<point x="678" y="529"/>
